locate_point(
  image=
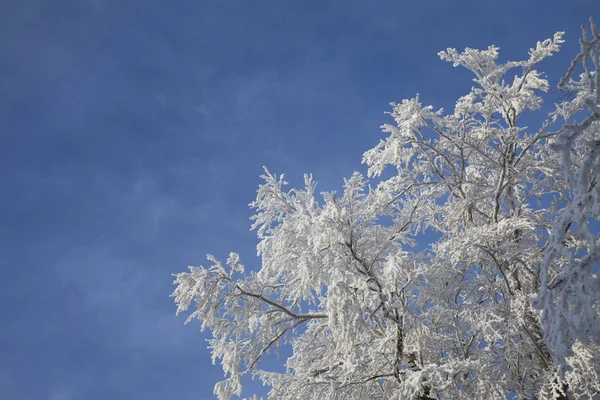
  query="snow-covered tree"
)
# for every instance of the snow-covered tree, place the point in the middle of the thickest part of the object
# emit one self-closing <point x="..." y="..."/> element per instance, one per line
<point x="504" y="301"/>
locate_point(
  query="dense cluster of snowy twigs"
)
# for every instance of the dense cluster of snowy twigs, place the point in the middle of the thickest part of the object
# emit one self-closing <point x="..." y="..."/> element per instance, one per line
<point x="502" y="303"/>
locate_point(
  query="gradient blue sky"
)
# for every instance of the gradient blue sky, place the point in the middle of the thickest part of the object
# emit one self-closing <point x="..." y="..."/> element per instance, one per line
<point x="133" y="134"/>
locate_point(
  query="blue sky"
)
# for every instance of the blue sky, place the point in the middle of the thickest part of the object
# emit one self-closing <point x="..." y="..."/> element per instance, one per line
<point x="133" y="134"/>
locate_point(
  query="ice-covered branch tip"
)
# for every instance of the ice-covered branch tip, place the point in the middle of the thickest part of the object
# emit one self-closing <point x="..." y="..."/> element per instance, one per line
<point x="588" y="50"/>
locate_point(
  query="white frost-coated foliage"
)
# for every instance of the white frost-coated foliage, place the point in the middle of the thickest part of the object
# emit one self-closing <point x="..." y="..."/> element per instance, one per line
<point x="503" y="302"/>
<point x="570" y="295"/>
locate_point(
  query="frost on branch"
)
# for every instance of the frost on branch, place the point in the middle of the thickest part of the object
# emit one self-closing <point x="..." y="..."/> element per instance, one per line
<point x="501" y="302"/>
<point x="570" y="286"/>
